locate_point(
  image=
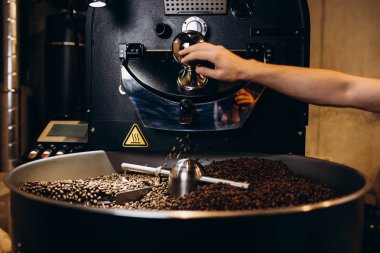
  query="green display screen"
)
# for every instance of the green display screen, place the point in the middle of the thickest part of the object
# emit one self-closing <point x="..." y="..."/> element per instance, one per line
<point x="67" y="130"/>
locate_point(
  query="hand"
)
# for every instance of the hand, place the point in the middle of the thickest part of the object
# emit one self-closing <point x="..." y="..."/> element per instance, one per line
<point x="243" y="97"/>
<point x="228" y="66"/>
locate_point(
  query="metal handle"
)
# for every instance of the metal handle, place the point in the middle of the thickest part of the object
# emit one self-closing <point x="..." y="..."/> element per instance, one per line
<point x="223" y="181"/>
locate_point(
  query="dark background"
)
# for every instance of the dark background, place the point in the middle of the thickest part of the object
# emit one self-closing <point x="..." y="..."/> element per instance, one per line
<point x="40" y="62"/>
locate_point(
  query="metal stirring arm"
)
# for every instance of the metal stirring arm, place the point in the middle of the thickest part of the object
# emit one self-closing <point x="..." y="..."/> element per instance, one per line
<point x="157" y="171"/>
<point x="213" y="180"/>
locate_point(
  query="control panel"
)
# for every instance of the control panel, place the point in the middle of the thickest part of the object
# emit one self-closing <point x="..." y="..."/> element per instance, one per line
<point x="58" y="138"/>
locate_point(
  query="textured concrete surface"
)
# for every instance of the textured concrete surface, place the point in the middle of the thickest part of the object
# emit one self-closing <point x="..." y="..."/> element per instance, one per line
<point x="345" y="37"/>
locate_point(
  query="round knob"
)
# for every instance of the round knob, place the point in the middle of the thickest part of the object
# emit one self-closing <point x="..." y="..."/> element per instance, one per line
<point x="184" y="40"/>
<point x="163" y="31"/>
<point x="195" y="24"/>
<point x="188" y="79"/>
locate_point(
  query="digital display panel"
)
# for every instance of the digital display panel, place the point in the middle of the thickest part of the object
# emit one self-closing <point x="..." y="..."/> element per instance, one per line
<point x="65" y="131"/>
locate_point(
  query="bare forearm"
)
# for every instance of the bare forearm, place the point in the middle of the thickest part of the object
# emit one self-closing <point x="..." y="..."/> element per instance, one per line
<point x="316" y="86"/>
<point x="300" y="83"/>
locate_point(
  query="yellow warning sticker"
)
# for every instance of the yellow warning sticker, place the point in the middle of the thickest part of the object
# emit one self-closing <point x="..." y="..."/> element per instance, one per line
<point x="135" y="138"/>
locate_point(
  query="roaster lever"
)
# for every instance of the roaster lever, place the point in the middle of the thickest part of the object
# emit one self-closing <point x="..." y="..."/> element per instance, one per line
<point x="188" y="79"/>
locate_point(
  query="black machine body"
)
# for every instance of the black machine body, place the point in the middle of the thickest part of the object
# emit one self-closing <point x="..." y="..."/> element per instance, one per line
<point x="135" y="103"/>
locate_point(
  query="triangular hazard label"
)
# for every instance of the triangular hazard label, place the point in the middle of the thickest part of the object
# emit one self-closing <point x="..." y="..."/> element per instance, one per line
<point x="135" y="138"/>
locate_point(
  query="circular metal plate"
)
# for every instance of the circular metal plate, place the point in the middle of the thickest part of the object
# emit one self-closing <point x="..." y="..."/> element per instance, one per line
<point x="195" y="24"/>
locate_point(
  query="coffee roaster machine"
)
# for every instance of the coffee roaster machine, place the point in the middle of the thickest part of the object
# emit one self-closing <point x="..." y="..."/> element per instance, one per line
<point x="132" y="77"/>
<point x="135" y="103"/>
<point x="145" y="107"/>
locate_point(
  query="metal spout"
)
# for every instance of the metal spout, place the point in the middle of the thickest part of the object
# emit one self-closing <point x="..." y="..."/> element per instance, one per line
<point x="186" y="112"/>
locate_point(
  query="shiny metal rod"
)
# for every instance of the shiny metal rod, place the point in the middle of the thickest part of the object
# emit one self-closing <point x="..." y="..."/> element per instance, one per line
<point x="159" y="171"/>
<point x="145" y="169"/>
<point x="213" y="180"/>
<point x="10" y="89"/>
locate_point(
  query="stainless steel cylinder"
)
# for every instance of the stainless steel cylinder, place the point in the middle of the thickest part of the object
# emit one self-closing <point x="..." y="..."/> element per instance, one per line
<point x="9" y="89"/>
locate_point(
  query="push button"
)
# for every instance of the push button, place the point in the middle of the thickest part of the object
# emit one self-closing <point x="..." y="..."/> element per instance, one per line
<point x="32" y="154"/>
<point x="46" y="153"/>
<point x="60" y="152"/>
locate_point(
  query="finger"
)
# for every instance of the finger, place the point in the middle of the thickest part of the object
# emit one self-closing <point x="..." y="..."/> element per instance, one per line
<point x="211" y="73"/>
<point x="243" y="92"/>
<point x="190" y="49"/>
<point x="198" y="55"/>
<point x="243" y="96"/>
<point x="244" y="101"/>
<point x="239" y="98"/>
<point x="199" y="46"/>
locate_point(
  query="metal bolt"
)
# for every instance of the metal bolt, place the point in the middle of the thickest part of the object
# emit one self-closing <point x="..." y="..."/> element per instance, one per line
<point x="92" y="130"/>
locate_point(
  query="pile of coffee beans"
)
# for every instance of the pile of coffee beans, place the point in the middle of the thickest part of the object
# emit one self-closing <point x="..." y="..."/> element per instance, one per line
<point x="272" y="185"/>
<point x="99" y="190"/>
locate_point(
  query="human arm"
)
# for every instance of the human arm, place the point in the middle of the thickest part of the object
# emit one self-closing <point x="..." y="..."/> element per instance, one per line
<point x="316" y="86"/>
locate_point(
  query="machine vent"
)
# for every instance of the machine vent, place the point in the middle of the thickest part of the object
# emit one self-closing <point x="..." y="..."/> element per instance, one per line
<point x="182" y="7"/>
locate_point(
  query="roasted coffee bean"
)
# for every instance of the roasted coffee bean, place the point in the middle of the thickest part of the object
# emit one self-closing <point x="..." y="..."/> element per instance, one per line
<point x="272" y="185"/>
